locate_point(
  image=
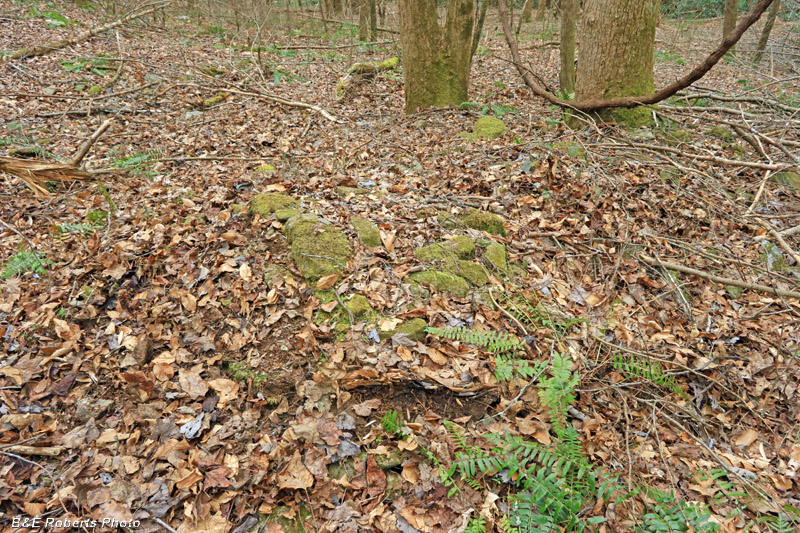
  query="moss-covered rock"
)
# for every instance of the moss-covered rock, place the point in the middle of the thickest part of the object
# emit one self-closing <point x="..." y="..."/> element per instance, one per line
<point x="237" y="208"/>
<point x="359" y="306"/>
<point x="285" y="213"/>
<point x="787" y="177"/>
<point x="460" y="247"/>
<point x="368" y="233"/>
<point x="488" y="127"/>
<point x="483" y="221"/>
<point x="442" y="281"/>
<point x="415" y="328"/>
<point x="496" y="256"/>
<point x="269" y="202"/>
<point x="317" y="248"/>
<point x="344" y="192"/>
<point x="446" y="220"/>
<point x="392" y="460"/>
<point x="95" y="90"/>
<point x="721" y="132"/>
<point x="272" y="270"/>
<point x="266" y="169"/>
<point x="214" y="100"/>
<point x="472" y="272"/>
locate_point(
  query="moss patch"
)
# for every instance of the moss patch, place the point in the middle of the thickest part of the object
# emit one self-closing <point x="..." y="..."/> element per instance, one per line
<point x="442" y="281"/>
<point x="344" y="192"/>
<point x="496" y="256"/>
<point x="288" y="519"/>
<point x="285" y="213"/>
<point x="446" y="220"/>
<point x="460" y="247"/>
<point x="359" y="306"/>
<point x="272" y="270"/>
<point x="237" y="208"/>
<point x="266" y="168"/>
<point x="787" y="177"/>
<point x="368" y="233"/>
<point x="721" y="132"/>
<point x="415" y="328"/>
<point x="472" y="272"/>
<point x="488" y="127"/>
<point x="678" y="136"/>
<point x="269" y="202"/>
<point x="483" y="221"/>
<point x="318" y="249"/>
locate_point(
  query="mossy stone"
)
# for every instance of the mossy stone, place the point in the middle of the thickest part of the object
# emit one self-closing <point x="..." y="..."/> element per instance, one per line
<point x="272" y="270"/>
<point x="237" y="208"/>
<point x="368" y="233"/>
<point x="472" y="272"/>
<point x="460" y="247"/>
<point x="317" y="248"/>
<point x="787" y="177"/>
<point x="721" y="132"/>
<point x="483" y="221"/>
<point x="266" y="168"/>
<point x="446" y="220"/>
<point x="285" y="213"/>
<point x="488" y="127"/>
<point x="442" y="281"/>
<point x="269" y="202"/>
<point x="359" y="306"/>
<point x="415" y="328"/>
<point x="344" y="192"/>
<point x="94" y="90"/>
<point x="392" y="460"/>
<point x="496" y="256"/>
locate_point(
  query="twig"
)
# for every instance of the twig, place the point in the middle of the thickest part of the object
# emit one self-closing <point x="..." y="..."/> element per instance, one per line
<point x="759" y="192"/>
<point x="783" y="244"/>
<point x="508" y="314"/>
<point x="15" y="230"/>
<point x="718" y="279"/>
<point x="90" y="141"/>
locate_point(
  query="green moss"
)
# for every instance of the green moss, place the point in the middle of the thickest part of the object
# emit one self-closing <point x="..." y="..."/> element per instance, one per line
<point x="368" y="233"/>
<point x="394" y="459"/>
<point x="389" y="64"/>
<point x="237" y="208"/>
<point x="322" y="253"/>
<point x="272" y="270"/>
<point x="282" y="515"/>
<point x="787" y="177"/>
<point x="721" y="132"/>
<point x="572" y="148"/>
<point x="472" y="272"/>
<point x="460" y="247"/>
<point x="483" y="221"/>
<point x="94" y="90"/>
<point x="496" y="256"/>
<point x="680" y="135"/>
<point x="214" y="100"/>
<point x="773" y="257"/>
<point x="266" y="168"/>
<point x="446" y="220"/>
<point x="359" y="306"/>
<point x="269" y="202"/>
<point x="629" y="118"/>
<point x="285" y="213"/>
<point x="344" y="192"/>
<point x="302" y="223"/>
<point x="415" y="328"/>
<point x="442" y="281"/>
<point x="212" y="71"/>
<point x="488" y="127"/>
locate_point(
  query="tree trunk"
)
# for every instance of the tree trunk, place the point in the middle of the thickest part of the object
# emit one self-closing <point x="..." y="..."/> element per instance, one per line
<point x="729" y="20"/>
<point x="616" y="55"/>
<point x="540" y="9"/>
<point x="367" y="21"/>
<point x="569" y="17"/>
<point x="436" y="58"/>
<point x="772" y="14"/>
<point x="478" y="29"/>
<point x="527" y="11"/>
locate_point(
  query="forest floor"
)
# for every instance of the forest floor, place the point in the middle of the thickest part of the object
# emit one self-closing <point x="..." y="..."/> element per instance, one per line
<point x="165" y="361"/>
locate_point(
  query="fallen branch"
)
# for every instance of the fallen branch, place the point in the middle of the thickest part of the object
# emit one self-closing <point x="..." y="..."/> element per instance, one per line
<point x="629" y="101"/>
<point x="359" y="72"/>
<point x="46" y="451"/>
<point x="36" y="173"/>
<point x="718" y="279"/>
<point x="76" y="161"/>
<point x="41" y="50"/>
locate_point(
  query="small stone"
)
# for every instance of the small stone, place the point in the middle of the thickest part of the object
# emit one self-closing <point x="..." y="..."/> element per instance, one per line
<point x="496" y="256"/>
<point x="359" y="306"/>
<point x="472" y="272"/>
<point x="267" y="203"/>
<point x="414" y="328"/>
<point x="344" y="192"/>
<point x="489" y="127"/>
<point x="368" y="233"/>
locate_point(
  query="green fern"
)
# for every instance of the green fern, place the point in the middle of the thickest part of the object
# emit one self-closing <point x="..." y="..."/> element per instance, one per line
<point x="638" y="368"/>
<point x="138" y="160"/>
<point x="393" y="424"/>
<point x="558" y="390"/>
<point x="477" y="524"/>
<point x="532" y="313"/>
<point x="25" y="261"/>
<point x="493" y="341"/>
<point x="667" y="514"/>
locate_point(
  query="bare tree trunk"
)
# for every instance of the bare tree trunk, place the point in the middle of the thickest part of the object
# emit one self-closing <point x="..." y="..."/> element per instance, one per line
<point x="729" y="20"/>
<point x="569" y="17"/>
<point x="616" y="55"/>
<point x="540" y="9"/>
<point x="527" y="11"/>
<point x="367" y="21"/>
<point x="436" y="59"/>
<point x="772" y="14"/>
<point x="476" y="32"/>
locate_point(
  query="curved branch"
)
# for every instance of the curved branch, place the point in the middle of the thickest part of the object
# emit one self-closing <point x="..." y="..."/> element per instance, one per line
<point x="631" y="101"/>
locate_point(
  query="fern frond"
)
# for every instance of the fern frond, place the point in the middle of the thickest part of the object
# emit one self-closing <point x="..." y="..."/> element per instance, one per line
<point x="641" y="369"/>
<point x="493" y="341"/>
<point x="558" y="391"/>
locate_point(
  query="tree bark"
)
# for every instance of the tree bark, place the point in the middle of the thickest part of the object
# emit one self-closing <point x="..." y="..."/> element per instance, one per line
<point x="367" y="21"/>
<point x="616" y="56"/>
<point x="527" y="11"/>
<point x="436" y="58"/>
<point x="478" y="29"/>
<point x="730" y="14"/>
<point x="540" y="9"/>
<point x="569" y="18"/>
<point x="772" y="14"/>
